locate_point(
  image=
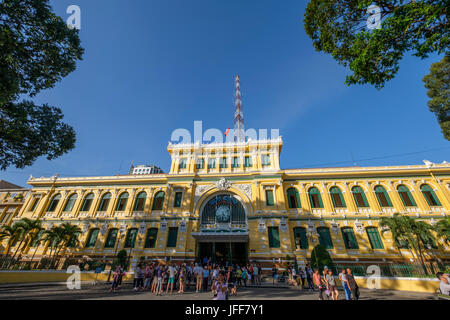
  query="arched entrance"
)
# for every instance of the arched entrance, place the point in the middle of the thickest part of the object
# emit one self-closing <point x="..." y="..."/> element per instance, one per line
<point x="223" y="235"/>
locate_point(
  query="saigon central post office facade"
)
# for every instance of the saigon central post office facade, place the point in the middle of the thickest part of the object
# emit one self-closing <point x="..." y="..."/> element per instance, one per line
<point x="242" y="207"/>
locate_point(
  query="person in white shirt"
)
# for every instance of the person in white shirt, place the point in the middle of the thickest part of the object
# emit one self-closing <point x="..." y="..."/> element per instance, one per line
<point x="198" y="272"/>
<point x="220" y="286"/>
<point x="445" y="283"/>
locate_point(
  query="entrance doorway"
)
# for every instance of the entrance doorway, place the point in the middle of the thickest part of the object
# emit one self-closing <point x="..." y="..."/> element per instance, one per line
<point x="223" y="252"/>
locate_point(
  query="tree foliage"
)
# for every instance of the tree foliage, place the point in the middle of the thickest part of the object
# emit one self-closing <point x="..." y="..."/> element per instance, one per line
<point x="37" y="50"/>
<point x="321" y="258"/>
<point x="438" y="85"/>
<point x="339" y="28"/>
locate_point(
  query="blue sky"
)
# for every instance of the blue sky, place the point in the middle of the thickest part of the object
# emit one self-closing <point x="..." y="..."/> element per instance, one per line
<point x="151" y="66"/>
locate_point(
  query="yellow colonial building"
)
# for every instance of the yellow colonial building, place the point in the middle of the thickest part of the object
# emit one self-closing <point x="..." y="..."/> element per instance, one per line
<point x="231" y="201"/>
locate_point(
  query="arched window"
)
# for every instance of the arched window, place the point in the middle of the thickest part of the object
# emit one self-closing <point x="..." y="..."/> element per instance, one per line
<point x="293" y="198"/>
<point x="130" y="240"/>
<point x="325" y="237"/>
<point x="140" y="201"/>
<point x="349" y="238"/>
<point x="383" y="197"/>
<point x="360" y="197"/>
<point x="158" y="201"/>
<point x="104" y="202"/>
<point x="430" y="196"/>
<point x="301" y="241"/>
<point x="112" y="238"/>
<point x="315" y="198"/>
<point x="70" y="203"/>
<point x="92" y="238"/>
<point x="374" y="238"/>
<point x="337" y="197"/>
<point x="406" y="196"/>
<point x="87" y="202"/>
<point x="54" y="203"/>
<point x="122" y="202"/>
<point x="223" y="208"/>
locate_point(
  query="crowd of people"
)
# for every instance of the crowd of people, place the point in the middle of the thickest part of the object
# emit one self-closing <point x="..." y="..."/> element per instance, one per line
<point x="325" y="283"/>
<point x="163" y="278"/>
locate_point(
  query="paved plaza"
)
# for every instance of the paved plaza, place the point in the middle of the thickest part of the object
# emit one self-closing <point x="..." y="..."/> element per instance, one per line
<point x="101" y="292"/>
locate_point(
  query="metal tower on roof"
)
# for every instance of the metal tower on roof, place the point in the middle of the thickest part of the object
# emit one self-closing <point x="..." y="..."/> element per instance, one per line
<point x="239" y="129"/>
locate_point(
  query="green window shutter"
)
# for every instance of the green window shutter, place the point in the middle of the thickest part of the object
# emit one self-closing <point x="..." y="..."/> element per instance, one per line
<point x="383" y="197"/>
<point x="406" y="196"/>
<point x="177" y="202"/>
<point x="337" y="198"/>
<point x="172" y="238"/>
<point x="293" y="198"/>
<point x="131" y="238"/>
<point x="301" y="240"/>
<point x="325" y="237"/>
<point x="269" y="198"/>
<point x="430" y="196"/>
<point x="152" y="236"/>
<point x="349" y="238"/>
<point x="274" y="237"/>
<point x="374" y="238"/>
<point x="122" y="203"/>
<point x="54" y="203"/>
<point x="92" y="239"/>
<point x="248" y="162"/>
<point x="360" y="197"/>
<point x="111" y="239"/>
<point x="315" y="198"/>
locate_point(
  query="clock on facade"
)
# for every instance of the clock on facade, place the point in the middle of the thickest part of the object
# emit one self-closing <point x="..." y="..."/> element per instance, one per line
<point x="223" y="214"/>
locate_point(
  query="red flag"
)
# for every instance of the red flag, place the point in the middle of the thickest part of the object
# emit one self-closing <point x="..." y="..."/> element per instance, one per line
<point x="228" y="131"/>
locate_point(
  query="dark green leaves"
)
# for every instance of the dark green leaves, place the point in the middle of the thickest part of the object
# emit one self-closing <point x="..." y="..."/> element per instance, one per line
<point x="37" y="50"/>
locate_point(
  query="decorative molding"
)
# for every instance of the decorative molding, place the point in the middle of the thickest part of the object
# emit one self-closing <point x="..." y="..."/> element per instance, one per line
<point x="246" y="188"/>
<point x="223" y="184"/>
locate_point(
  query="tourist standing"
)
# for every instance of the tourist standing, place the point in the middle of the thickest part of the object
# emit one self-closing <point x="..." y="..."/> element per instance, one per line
<point x="331" y="285"/>
<point x="343" y="278"/>
<point x="444" y="284"/>
<point x="205" y="278"/>
<point x="274" y="274"/>
<point x="301" y="274"/>
<point x="351" y="282"/>
<point x="116" y="276"/>
<point x="255" y="274"/>
<point x="137" y="277"/>
<point x="198" y="272"/>
<point x="309" y="277"/>
<point x="317" y="279"/>
<point x="171" y="280"/>
<point x="220" y="287"/>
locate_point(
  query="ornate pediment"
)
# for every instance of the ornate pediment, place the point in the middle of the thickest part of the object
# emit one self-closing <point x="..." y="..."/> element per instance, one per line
<point x="223" y="184"/>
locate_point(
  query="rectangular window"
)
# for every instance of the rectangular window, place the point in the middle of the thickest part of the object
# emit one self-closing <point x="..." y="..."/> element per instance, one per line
<point x="172" y="238"/>
<point x="211" y="163"/>
<point x="301" y="241"/>
<point x="269" y="198"/>
<point x="182" y="164"/>
<point x="177" y="201"/>
<point x="274" y="237"/>
<point x="92" y="239"/>
<point x="130" y="241"/>
<point x="325" y="237"/>
<point x="223" y="163"/>
<point x="111" y="240"/>
<point x="236" y="163"/>
<point x="248" y="162"/>
<point x="265" y="159"/>
<point x="374" y="238"/>
<point x="200" y="163"/>
<point x="349" y="238"/>
<point x="152" y="236"/>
